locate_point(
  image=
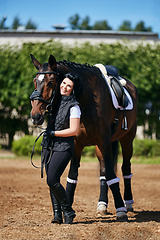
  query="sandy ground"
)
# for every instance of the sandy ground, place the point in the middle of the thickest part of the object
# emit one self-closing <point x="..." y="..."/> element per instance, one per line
<point x="26" y="211"/>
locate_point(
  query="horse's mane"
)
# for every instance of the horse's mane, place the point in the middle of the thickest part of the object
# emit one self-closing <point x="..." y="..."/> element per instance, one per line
<point x="73" y="64"/>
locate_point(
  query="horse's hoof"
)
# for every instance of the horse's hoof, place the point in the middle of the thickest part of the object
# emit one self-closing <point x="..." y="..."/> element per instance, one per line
<point x="102" y="209"/>
<point x="122" y="217"/>
<point x="129" y="207"/>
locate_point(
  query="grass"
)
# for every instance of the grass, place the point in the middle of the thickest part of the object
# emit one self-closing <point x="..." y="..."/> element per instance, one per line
<point x="135" y="159"/>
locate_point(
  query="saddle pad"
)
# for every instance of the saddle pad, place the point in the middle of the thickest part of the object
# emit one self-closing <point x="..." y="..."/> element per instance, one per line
<point x="115" y="102"/>
<point x="114" y="99"/>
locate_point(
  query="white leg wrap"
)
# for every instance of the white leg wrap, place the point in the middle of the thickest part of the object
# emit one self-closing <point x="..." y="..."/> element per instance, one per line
<point x="128" y="176"/>
<point x="101" y="202"/>
<point x="102" y="178"/>
<point x="128" y="201"/>
<point x="128" y="205"/>
<point x="71" y="180"/>
<point x="112" y="181"/>
<point x="121" y="209"/>
<point x="121" y="214"/>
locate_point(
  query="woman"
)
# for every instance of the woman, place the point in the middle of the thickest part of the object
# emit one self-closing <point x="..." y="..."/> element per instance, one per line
<point x="58" y="143"/>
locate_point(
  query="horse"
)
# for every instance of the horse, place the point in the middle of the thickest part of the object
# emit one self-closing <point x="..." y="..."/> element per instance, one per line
<point x="98" y="117"/>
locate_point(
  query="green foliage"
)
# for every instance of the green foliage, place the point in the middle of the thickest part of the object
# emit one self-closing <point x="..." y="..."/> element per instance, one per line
<point x="140" y="27"/>
<point x="23" y="146"/>
<point x="76" y="23"/>
<point x="16" y="23"/>
<point x="139" y="63"/>
<point x="101" y="25"/>
<point x="126" y="26"/>
<point x="146" y="147"/>
<point x="31" y="25"/>
<point x="141" y="148"/>
<point x="89" y="151"/>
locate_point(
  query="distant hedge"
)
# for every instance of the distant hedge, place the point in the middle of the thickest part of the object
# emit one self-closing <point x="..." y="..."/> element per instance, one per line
<point x="138" y="62"/>
<point x="146" y="147"/>
<point x="24" y="146"/>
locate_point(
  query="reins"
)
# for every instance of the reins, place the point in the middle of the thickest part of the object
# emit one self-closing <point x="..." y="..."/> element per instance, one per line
<point x="42" y="155"/>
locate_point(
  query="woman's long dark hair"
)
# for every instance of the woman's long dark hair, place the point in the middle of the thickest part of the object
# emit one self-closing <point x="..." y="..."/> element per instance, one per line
<point x="77" y="87"/>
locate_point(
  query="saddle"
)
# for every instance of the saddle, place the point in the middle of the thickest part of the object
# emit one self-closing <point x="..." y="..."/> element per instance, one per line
<point x="116" y="82"/>
<point x="110" y="73"/>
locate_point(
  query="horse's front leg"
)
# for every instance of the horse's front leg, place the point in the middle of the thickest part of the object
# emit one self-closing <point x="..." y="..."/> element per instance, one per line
<point x="112" y="179"/>
<point x="73" y="174"/>
<point x="127" y="151"/>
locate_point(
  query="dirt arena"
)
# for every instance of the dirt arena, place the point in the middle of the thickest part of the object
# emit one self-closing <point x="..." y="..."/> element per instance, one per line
<point x="26" y="211"/>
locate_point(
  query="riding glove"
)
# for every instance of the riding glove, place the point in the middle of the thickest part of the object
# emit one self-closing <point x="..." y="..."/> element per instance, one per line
<point x="50" y="133"/>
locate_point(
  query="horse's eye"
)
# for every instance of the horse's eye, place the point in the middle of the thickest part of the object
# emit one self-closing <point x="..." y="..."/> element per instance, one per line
<point x="49" y="84"/>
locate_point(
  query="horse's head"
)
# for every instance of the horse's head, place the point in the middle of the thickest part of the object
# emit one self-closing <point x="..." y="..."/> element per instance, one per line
<point x="45" y="84"/>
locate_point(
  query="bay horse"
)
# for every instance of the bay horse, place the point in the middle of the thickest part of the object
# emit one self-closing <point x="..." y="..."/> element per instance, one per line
<point x="98" y="115"/>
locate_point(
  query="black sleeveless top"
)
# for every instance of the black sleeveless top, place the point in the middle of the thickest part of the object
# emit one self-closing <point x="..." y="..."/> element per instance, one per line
<point x="60" y="121"/>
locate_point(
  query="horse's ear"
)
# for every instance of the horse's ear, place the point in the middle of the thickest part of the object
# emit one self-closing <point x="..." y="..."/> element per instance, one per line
<point x="35" y="62"/>
<point x="52" y="62"/>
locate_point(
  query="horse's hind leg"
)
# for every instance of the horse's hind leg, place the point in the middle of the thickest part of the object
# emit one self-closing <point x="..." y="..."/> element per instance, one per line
<point x="112" y="180"/>
<point x="127" y="151"/>
<point x="103" y="197"/>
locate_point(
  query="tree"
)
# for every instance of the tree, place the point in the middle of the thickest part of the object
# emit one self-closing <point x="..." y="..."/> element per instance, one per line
<point x="140" y="27"/>
<point x="101" y="25"/>
<point x="74" y="22"/>
<point x="77" y="23"/>
<point x="16" y="23"/>
<point x="2" y="25"/>
<point x="85" y="24"/>
<point x="31" y="25"/>
<point x="126" y="26"/>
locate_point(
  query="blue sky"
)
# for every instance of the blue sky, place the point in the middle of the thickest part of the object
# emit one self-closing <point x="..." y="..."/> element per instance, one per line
<point x="45" y="13"/>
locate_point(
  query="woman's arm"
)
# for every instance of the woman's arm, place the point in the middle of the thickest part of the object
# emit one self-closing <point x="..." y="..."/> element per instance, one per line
<point x="71" y="131"/>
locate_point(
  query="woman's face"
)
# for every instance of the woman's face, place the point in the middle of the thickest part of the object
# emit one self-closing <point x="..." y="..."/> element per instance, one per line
<point x="66" y="87"/>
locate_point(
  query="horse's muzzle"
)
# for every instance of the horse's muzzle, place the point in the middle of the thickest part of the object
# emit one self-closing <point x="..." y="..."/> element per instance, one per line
<point x="37" y="119"/>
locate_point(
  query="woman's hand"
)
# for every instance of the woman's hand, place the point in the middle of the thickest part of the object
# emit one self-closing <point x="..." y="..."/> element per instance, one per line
<point x="50" y="133"/>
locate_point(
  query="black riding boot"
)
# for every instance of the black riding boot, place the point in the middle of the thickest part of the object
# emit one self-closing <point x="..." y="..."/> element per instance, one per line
<point x="60" y="193"/>
<point x="56" y="209"/>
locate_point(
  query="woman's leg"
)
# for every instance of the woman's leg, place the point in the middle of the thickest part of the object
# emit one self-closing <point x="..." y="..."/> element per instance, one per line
<point x="55" y="203"/>
<point x="56" y="167"/>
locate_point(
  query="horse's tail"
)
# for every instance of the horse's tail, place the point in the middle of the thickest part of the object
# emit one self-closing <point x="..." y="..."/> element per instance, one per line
<point x="115" y="151"/>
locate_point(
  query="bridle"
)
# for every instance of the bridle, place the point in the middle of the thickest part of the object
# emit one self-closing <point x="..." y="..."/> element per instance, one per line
<point x="37" y="95"/>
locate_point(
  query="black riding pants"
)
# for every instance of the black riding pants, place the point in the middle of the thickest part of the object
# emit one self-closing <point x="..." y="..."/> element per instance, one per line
<point x="56" y="166"/>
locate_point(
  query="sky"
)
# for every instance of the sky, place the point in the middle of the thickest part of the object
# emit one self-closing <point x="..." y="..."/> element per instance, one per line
<point x="46" y="13"/>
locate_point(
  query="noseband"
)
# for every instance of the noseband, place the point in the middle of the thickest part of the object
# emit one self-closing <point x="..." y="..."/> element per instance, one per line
<point x="37" y="95"/>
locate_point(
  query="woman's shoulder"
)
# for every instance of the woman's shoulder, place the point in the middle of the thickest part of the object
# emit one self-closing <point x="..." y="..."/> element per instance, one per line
<point x="75" y="111"/>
